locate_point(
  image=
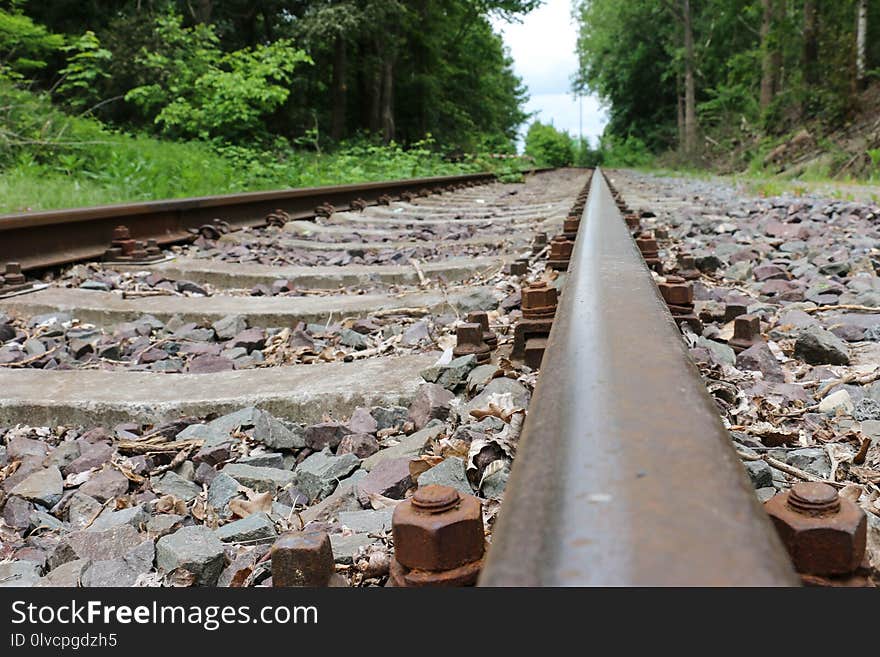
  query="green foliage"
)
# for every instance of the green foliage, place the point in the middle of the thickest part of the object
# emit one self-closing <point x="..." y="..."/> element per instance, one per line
<point x="628" y="152"/>
<point x="549" y="146"/>
<point x="86" y="66"/>
<point x="24" y="45"/>
<point x="205" y="93"/>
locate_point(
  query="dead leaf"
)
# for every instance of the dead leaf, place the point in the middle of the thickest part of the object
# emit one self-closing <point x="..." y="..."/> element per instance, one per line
<point x="378" y="501"/>
<point x="256" y="503"/>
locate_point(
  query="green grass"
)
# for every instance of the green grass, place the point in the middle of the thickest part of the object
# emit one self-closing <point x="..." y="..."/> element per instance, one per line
<point x="49" y="160"/>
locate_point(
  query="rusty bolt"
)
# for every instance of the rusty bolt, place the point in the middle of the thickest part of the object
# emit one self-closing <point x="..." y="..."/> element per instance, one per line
<point x="438" y="530"/>
<point x="824" y="533"/>
<point x="518" y="268"/>
<point x="153" y="247"/>
<point x="647" y="245"/>
<point x="540" y="239"/>
<point x="121" y="233"/>
<point x="538" y="301"/>
<point x="13" y="275"/>
<point x="676" y="291"/>
<point x="570" y="227"/>
<point x="734" y="310"/>
<point x="384" y="200"/>
<point x="302" y="559"/>
<point x="560" y="253"/>
<point x="633" y="222"/>
<point x="481" y="317"/>
<point x="469" y="340"/>
<point x="746" y="331"/>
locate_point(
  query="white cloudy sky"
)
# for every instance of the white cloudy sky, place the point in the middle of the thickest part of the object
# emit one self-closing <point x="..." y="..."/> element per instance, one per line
<point x="543" y="50"/>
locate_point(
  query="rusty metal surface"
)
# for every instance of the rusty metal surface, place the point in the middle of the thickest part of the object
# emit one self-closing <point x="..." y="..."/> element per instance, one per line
<point x="624" y="474"/>
<point x="46" y="239"/>
<point x="824" y="533"/>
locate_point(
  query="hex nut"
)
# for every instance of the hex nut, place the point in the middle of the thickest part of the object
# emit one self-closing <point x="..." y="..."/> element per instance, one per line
<point x="824" y="533"/>
<point x="444" y="537"/>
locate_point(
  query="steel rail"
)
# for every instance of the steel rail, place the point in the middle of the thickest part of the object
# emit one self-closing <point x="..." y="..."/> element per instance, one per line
<point x="625" y="475"/>
<point x="56" y="237"/>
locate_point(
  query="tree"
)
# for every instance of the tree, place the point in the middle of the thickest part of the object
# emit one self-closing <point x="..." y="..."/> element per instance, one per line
<point x="549" y="146"/>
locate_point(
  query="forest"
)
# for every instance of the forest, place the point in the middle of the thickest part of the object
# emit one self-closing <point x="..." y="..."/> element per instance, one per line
<point x="126" y="99"/>
<point x="737" y="83"/>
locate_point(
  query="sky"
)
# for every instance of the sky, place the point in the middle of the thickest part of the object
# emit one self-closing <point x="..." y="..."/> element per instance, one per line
<point x="543" y="51"/>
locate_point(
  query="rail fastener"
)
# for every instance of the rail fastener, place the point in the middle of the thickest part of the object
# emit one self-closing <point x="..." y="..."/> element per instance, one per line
<point x="825" y="534"/>
<point x="439" y="539"/>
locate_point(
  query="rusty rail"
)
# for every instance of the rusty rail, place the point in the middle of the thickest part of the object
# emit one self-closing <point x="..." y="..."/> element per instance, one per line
<point x="46" y="239"/>
<point x="625" y="474"/>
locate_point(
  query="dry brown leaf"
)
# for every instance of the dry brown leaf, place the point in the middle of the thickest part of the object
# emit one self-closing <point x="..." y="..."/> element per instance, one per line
<point x="378" y="501"/>
<point x="170" y="504"/>
<point x="181" y="578"/>
<point x="257" y="503"/>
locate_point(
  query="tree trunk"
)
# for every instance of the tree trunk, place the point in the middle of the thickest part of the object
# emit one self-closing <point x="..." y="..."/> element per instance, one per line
<point x="767" y="73"/>
<point x="690" y="96"/>
<point x="679" y="111"/>
<point x="861" y="40"/>
<point x="204" y="10"/>
<point x="340" y="65"/>
<point x="776" y="50"/>
<point x="811" y="42"/>
<point x="388" y="99"/>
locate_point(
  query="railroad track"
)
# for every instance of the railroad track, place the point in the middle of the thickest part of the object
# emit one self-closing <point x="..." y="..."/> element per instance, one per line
<point x="330" y="321"/>
<point x="342" y="401"/>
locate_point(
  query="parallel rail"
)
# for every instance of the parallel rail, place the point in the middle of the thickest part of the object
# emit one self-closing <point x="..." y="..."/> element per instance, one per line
<point x="625" y="474"/>
<point x="57" y="237"/>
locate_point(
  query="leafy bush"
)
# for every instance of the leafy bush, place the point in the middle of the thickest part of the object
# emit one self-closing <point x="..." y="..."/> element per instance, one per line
<point x="630" y="152"/>
<point x="549" y="146"/>
<point x="203" y="92"/>
<point x="24" y="45"/>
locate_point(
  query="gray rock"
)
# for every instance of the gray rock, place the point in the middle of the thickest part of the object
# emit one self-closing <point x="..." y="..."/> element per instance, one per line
<point x="122" y="571"/>
<point x="20" y="447"/>
<point x="260" y="479"/>
<point x="19" y="574"/>
<point x="317" y="475"/>
<point x="453" y="375"/>
<point x="409" y="447"/>
<point x="811" y="459"/>
<point x="866" y="409"/>
<point x="449" y="472"/>
<point x="256" y="527"/>
<point x="171" y="483"/>
<point x="269" y="460"/>
<point x="388" y="417"/>
<point x="195" y="549"/>
<point x="67" y="575"/>
<point x="106" y="485"/>
<point x="353" y="339"/>
<point x="275" y="434"/>
<point x="228" y="327"/>
<point x="361" y="445"/>
<point x="96" y="545"/>
<point x="759" y="473"/>
<point x="221" y="490"/>
<point x="63" y="455"/>
<point x="817" y="346"/>
<point x="480" y="298"/>
<point x="341" y="499"/>
<point x="765" y="493"/>
<point x="325" y="434"/>
<point x="431" y="402"/>
<point x="92" y="455"/>
<point x="367" y="522"/>
<point x="81" y="509"/>
<point x="163" y="524"/>
<point x="493" y="486"/>
<point x="44" y="486"/>
<point x="389" y="478"/>
<point x="134" y="516"/>
<point x="480" y="377"/>
<point x="759" y="358"/>
<point x="346" y="548"/>
<point x="721" y="352"/>
<point x="361" y="421"/>
<point x="415" y="334"/>
<point x="41" y="520"/>
<point x="17" y="513"/>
